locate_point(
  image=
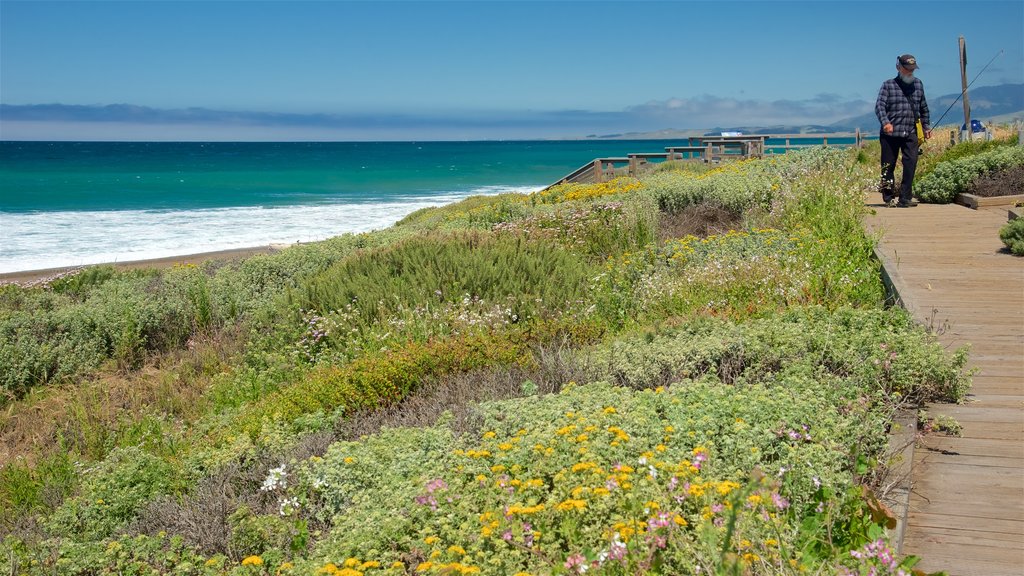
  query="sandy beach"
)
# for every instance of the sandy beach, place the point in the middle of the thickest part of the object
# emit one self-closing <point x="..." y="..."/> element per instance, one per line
<point x="29" y="277"/>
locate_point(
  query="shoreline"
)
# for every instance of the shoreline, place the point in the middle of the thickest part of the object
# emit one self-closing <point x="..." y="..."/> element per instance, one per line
<point x="43" y="275"/>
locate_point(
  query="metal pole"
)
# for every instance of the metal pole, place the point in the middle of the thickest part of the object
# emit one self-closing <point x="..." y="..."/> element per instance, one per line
<point x="963" y="83"/>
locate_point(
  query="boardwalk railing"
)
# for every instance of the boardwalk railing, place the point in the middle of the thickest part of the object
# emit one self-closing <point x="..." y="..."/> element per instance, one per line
<point x="706" y="149"/>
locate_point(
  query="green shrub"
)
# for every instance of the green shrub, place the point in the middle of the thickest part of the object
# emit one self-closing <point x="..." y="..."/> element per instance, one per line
<point x="955" y="176"/>
<point x="110" y="494"/>
<point x="160" y="554"/>
<point x="1012" y="234"/>
<point x="928" y="162"/>
<point x="25" y="490"/>
<point x="253" y="534"/>
<point x="627" y="482"/>
<point x="596" y="229"/>
<point x="436" y="269"/>
<point x="865" y="348"/>
<point x="473" y="212"/>
<point x="741" y="185"/>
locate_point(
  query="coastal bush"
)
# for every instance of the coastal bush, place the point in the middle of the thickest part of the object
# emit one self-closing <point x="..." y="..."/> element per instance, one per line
<point x="479" y="212"/>
<point x="574" y="191"/>
<point x="374" y="379"/>
<point x="437" y="269"/>
<point x="596" y="229"/>
<point x="28" y="490"/>
<point x="928" y="162"/>
<point x="740" y="185"/>
<point x="1012" y="234"/>
<point x="955" y="176"/>
<point x="614" y="480"/>
<point x="867" y="349"/>
<point x="110" y="494"/>
<point x="76" y="323"/>
<point x="735" y="186"/>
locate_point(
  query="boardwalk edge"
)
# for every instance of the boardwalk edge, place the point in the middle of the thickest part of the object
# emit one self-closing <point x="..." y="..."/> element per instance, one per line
<point x="901" y="440"/>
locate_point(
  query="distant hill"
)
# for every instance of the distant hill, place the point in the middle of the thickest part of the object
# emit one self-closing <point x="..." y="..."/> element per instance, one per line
<point x="1001" y="103"/>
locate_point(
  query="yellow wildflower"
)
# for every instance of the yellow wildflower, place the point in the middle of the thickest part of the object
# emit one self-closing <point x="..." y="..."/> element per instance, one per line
<point x="505" y="446"/>
<point x="349" y="460"/>
<point x="429" y="540"/>
<point x="609" y="410"/>
<point x="481" y="478"/>
<point x="571" y="504"/>
<point x="369" y="564"/>
<point x="581" y="466"/>
<point x="351" y="563"/>
<point x="252" y="561"/>
<point x="456" y="549"/>
<point x="726" y="486"/>
<point x="435" y="554"/>
<point x="497" y="468"/>
<point x="489" y="434"/>
<point x="397" y="565"/>
<point x="679" y="520"/>
<point x="424" y="566"/>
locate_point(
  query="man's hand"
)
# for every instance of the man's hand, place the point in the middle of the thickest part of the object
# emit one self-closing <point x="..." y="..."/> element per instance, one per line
<point x="887" y="128"/>
<point x="927" y="134"/>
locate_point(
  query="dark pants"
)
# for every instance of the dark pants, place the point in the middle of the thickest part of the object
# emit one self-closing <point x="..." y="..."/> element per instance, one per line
<point x="891" y="146"/>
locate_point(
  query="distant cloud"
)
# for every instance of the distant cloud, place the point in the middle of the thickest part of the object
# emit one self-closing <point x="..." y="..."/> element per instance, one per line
<point x="24" y="121"/>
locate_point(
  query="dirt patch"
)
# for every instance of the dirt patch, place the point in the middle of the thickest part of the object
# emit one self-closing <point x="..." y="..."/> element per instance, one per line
<point x="699" y="220"/>
<point x="1000" y="183"/>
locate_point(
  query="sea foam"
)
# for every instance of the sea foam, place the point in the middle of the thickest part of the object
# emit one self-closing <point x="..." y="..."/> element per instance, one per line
<point x="39" y="240"/>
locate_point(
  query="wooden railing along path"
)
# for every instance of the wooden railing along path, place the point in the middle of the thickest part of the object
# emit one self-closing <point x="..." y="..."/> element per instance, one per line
<point x="948" y="268"/>
<point x="704" y="149"/>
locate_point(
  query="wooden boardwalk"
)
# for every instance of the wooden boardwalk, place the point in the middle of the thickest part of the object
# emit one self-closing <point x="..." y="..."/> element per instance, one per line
<point x="966" y="508"/>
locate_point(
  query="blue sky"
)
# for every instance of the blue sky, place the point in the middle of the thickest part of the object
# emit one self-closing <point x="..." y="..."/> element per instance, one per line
<point x="385" y="70"/>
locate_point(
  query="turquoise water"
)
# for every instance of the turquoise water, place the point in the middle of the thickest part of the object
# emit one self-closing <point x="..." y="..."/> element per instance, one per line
<point x="126" y="176"/>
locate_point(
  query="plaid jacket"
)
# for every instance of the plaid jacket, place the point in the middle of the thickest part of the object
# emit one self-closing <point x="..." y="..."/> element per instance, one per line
<point x="902" y="105"/>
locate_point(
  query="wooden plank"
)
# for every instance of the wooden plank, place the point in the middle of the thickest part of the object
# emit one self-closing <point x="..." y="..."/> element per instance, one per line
<point x="978" y="509"/>
<point x="961" y="535"/>
<point x="970" y="566"/>
<point x="969" y="560"/>
<point x="974" y="446"/>
<point x="932" y="521"/>
<point x="938" y="457"/>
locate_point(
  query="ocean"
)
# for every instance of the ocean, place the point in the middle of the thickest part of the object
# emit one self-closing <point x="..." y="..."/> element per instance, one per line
<point x="78" y="203"/>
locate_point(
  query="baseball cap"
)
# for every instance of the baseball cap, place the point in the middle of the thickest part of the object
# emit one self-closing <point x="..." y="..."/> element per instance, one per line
<point x="908" y="62"/>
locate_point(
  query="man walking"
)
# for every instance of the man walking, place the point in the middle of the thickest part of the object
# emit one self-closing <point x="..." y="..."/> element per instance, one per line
<point x="901" y="103"/>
